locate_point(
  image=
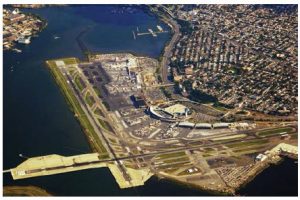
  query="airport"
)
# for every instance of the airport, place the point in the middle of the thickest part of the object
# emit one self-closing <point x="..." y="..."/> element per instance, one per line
<point x="138" y="132"/>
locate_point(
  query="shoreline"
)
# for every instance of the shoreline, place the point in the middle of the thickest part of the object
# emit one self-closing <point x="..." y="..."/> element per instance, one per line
<point x="167" y="50"/>
<point x="210" y="192"/>
<point x="30" y="191"/>
<point x="262" y="169"/>
<point x="86" y="51"/>
<point x="76" y="110"/>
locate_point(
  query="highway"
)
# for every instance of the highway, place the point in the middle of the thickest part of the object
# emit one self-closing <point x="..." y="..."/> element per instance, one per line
<point x="168" y="49"/>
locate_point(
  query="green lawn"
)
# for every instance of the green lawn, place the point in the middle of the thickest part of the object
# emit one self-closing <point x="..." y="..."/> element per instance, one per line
<point x="89" y="100"/>
<point x="170" y="165"/>
<point x="170" y="155"/>
<point x="228" y="138"/>
<point x="98" y="112"/>
<point x="97" y="92"/>
<point x="70" y="61"/>
<point x="274" y="131"/>
<point x="105" y="125"/>
<point x="181" y="159"/>
<point x="254" y="148"/>
<point x="209" y="150"/>
<point x="104" y="156"/>
<point x="247" y="143"/>
<point x="78" y="83"/>
<point x="112" y="140"/>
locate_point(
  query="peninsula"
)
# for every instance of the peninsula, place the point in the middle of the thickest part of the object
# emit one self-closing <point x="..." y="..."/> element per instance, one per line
<point x="137" y="132"/>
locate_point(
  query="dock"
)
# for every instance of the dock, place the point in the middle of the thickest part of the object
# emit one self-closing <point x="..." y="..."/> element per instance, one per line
<point x="152" y="32"/>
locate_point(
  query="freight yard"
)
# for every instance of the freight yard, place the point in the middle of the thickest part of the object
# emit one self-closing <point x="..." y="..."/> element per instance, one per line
<point x="137" y="131"/>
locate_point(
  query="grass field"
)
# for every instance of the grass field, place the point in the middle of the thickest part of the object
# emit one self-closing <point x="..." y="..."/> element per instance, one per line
<point x="105" y="125"/>
<point x="89" y="100"/>
<point x="78" y="83"/>
<point x="251" y="148"/>
<point x="171" y="170"/>
<point x="177" y="165"/>
<point x="104" y="156"/>
<point x="175" y="160"/>
<point x="97" y="92"/>
<point x="275" y="131"/>
<point x="98" y="112"/>
<point x="70" y="61"/>
<point x="247" y="143"/>
<point x="112" y="140"/>
<point x="228" y="138"/>
<point x="92" y="136"/>
<point x="171" y="155"/>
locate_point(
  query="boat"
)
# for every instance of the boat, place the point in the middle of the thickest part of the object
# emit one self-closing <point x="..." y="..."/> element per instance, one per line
<point x="24" y="40"/>
<point x="56" y="37"/>
<point x="17" y="50"/>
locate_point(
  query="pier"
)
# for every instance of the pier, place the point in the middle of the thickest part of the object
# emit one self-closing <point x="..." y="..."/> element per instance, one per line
<point x="152" y="32"/>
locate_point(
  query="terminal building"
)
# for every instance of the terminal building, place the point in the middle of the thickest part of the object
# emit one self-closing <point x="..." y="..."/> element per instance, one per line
<point x="170" y="113"/>
<point x="180" y="113"/>
<point x="177" y="110"/>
